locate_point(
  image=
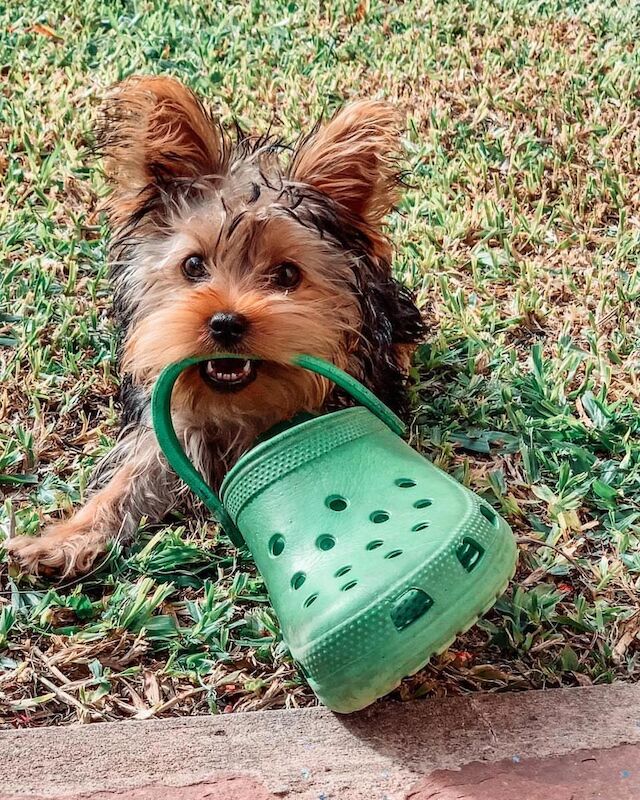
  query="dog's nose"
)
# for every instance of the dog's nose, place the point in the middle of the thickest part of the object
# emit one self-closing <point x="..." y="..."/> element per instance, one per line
<point x="227" y="327"/>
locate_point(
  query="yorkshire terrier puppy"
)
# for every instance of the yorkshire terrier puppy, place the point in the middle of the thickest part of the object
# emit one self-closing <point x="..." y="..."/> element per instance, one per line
<point x="243" y="246"/>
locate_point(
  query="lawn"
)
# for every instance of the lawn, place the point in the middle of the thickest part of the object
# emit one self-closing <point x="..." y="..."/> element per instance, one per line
<point x="520" y="234"/>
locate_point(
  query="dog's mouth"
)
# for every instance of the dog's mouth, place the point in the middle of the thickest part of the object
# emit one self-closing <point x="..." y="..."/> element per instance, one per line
<point x="229" y="374"/>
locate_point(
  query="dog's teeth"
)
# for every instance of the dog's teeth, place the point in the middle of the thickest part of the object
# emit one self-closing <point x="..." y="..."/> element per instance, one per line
<point x="241" y="372"/>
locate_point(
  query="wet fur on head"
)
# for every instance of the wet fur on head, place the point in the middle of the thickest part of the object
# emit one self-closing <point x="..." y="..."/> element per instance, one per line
<point x="250" y="211"/>
<point x="182" y="186"/>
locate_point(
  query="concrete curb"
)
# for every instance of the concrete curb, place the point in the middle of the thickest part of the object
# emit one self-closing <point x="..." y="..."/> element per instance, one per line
<point x="392" y="751"/>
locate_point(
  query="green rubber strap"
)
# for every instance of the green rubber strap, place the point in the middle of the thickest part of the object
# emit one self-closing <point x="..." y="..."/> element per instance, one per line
<point x="176" y="456"/>
<point x="173" y="450"/>
<point x="353" y="387"/>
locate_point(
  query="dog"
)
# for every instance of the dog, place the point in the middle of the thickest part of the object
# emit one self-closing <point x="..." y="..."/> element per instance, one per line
<point x="228" y="243"/>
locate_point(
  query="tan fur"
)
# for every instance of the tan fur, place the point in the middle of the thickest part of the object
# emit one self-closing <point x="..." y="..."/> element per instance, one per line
<point x="352" y="159"/>
<point x="157" y="128"/>
<point x="73" y="545"/>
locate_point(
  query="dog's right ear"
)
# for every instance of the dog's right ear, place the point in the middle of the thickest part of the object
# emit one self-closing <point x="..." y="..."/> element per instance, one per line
<point x="156" y="133"/>
<point x="354" y="159"/>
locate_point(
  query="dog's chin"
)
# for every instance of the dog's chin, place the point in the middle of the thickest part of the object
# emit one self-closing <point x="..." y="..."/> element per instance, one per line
<point x="229" y="375"/>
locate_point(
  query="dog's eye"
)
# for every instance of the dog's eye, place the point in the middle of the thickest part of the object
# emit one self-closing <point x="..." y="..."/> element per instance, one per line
<point x="286" y="276"/>
<point x="193" y="268"/>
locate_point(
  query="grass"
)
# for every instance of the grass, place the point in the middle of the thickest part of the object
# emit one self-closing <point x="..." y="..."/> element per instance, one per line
<point x="521" y="237"/>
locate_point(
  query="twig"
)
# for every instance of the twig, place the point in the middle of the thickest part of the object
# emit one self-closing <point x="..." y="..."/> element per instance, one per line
<point x="570" y="559"/>
<point x="86" y="712"/>
<point x="53" y="670"/>
<point x="155" y="710"/>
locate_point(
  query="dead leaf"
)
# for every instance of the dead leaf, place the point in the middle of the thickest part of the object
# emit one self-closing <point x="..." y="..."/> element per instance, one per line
<point x="45" y="30"/>
<point x="629" y="630"/>
<point x="362" y="10"/>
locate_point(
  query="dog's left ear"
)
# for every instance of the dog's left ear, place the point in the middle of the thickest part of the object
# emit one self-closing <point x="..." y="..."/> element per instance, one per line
<point x="155" y="134"/>
<point x="354" y="159"/>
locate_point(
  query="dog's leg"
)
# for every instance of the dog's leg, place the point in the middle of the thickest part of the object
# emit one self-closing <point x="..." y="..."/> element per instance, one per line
<point x="132" y="482"/>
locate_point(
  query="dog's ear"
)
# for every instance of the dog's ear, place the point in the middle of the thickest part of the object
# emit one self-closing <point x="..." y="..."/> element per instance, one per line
<point x="155" y="132"/>
<point x="354" y="159"/>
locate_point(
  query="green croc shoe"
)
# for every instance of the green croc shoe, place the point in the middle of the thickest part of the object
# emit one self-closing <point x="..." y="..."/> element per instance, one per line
<point x="374" y="559"/>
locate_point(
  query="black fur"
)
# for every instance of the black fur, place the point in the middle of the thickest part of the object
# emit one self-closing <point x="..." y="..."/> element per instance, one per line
<point x="389" y="318"/>
<point x="134" y="400"/>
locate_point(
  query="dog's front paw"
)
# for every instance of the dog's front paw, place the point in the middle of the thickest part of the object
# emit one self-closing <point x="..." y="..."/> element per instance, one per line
<point x="61" y="550"/>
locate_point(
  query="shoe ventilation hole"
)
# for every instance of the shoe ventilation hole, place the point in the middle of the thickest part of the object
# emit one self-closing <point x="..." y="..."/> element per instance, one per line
<point x="421" y="526"/>
<point x="469" y="553"/>
<point x="276" y="545"/>
<point x="409" y="607"/>
<point x="375" y="544"/>
<point x="336" y="503"/>
<point x="342" y="571"/>
<point x="394" y="554"/>
<point x="489" y="514"/>
<point x="405" y="483"/>
<point x="348" y="586"/>
<point x="425" y="503"/>
<point x="379" y="516"/>
<point x="310" y="600"/>
<point x="325" y="542"/>
<point x="298" y="579"/>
